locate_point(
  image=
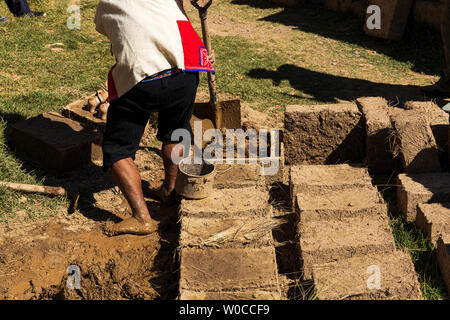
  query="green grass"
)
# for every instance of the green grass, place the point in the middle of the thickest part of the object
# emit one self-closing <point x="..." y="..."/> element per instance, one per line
<point x="266" y="67"/>
<point x="423" y="255"/>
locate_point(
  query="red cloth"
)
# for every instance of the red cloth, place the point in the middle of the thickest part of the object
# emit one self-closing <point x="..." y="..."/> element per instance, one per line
<point x="195" y="53"/>
<point x="196" y="57"/>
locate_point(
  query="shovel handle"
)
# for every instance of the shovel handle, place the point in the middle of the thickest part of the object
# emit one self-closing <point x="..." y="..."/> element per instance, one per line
<point x="203" y="12"/>
<point x="72" y="193"/>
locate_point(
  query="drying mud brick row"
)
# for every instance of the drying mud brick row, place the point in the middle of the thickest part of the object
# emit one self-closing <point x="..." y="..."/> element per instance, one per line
<point x="429" y="12"/>
<point x="339" y="204"/>
<point x="317" y="178"/>
<point x="236" y="176"/>
<point x="226" y="233"/>
<point x="437" y="118"/>
<point x="434" y="219"/>
<point x="338" y="5"/>
<point x="415" y="143"/>
<point x="76" y="111"/>
<point x="289" y="3"/>
<point x="323" y="134"/>
<point x="413" y="189"/>
<point x="219" y="270"/>
<point x="355" y="278"/>
<point x="394" y="16"/>
<point x="251" y="294"/>
<point x="357" y="7"/>
<point x="380" y="159"/>
<point x="229" y="203"/>
<point x="328" y="241"/>
<point x="226" y="245"/>
<point x="443" y="256"/>
<point x="55" y="142"/>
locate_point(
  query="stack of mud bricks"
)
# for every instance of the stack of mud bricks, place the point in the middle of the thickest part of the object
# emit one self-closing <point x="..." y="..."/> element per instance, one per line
<point x="411" y="139"/>
<point x="394" y="16"/>
<point x="226" y="245"/>
<point x="425" y="200"/>
<point x="425" y="11"/>
<point x="61" y="142"/>
<point x="323" y="134"/>
<point x="344" y="236"/>
<point x="55" y="142"/>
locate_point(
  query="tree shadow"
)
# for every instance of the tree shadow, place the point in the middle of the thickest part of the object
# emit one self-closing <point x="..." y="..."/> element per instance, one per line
<point x="421" y="45"/>
<point x="327" y="88"/>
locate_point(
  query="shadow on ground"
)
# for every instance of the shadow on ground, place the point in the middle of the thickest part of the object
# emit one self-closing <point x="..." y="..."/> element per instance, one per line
<point x="421" y="45"/>
<point x="328" y="88"/>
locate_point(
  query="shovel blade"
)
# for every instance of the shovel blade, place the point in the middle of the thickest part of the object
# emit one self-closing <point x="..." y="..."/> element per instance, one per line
<point x="223" y="114"/>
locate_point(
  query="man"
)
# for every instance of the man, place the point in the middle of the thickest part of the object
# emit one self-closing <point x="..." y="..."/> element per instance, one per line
<point x="20" y="8"/>
<point x="158" y="56"/>
<point x="442" y="87"/>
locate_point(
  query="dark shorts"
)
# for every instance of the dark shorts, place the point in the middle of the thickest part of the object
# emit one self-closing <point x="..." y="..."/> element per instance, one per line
<point x="172" y="97"/>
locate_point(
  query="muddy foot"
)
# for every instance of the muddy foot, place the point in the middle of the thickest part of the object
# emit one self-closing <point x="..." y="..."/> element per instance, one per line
<point x="131" y="226"/>
<point x="165" y="197"/>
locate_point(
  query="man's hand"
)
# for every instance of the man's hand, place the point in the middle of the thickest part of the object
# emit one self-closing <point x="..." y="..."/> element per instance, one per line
<point x="212" y="57"/>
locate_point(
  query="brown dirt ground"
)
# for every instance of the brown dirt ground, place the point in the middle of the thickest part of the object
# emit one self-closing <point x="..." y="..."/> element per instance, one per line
<point x="34" y="256"/>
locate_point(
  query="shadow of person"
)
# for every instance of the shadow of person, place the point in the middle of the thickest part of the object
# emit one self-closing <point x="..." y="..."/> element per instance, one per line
<point x="329" y="88"/>
<point x="421" y="45"/>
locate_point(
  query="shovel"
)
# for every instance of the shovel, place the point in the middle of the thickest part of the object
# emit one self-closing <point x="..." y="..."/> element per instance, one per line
<point x="223" y="114"/>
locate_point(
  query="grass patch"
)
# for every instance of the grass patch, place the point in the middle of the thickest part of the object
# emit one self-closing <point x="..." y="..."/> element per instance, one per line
<point x="408" y="236"/>
<point x="28" y="207"/>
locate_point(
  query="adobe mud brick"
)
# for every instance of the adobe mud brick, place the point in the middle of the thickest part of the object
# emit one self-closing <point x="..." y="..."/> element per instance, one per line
<point x="394" y="16"/>
<point x="339" y="204"/>
<point x="251" y="294"/>
<point x="229" y="203"/>
<point x="437" y="118"/>
<point x="317" y="178"/>
<point x="226" y="233"/>
<point x="349" y="278"/>
<point x="323" y="134"/>
<point x="77" y="111"/>
<point x="380" y="158"/>
<point x="443" y="256"/>
<point x="415" y="143"/>
<point x="338" y="5"/>
<point x="413" y="189"/>
<point x="55" y="142"/>
<point x="429" y="12"/>
<point x="215" y="270"/>
<point x="289" y="3"/>
<point x="328" y="241"/>
<point x="235" y="176"/>
<point x="434" y="219"/>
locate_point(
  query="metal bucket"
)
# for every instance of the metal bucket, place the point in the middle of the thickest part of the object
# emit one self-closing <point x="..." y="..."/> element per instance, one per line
<point x="195" y="181"/>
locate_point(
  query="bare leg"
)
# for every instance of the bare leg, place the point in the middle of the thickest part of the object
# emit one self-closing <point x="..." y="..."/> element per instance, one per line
<point x="170" y="168"/>
<point x="126" y="175"/>
<point x="165" y="192"/>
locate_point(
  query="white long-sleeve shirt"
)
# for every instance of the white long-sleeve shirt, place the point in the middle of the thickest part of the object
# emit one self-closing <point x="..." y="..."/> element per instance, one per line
<point x="147" y="37"/>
